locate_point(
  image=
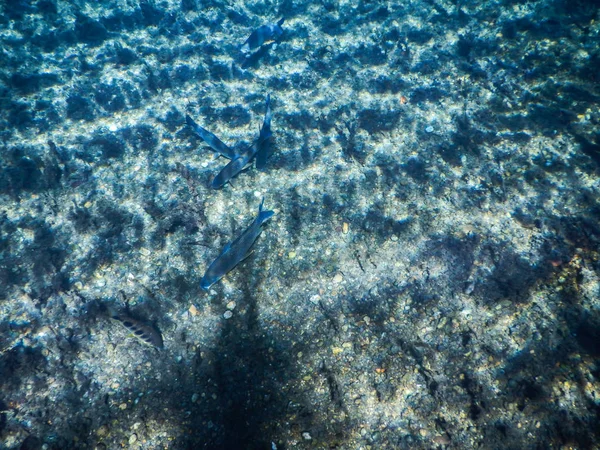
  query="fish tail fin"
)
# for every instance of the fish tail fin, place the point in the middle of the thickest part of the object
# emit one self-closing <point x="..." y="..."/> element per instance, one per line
<point x="280" y="22"/>
<point x="113" y="312"/>
<point x="263" y="215"/>
<point x="265" y="131"/>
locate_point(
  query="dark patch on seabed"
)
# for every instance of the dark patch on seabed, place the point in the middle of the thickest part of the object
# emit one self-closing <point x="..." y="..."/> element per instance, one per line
<point x="430" y="278"/>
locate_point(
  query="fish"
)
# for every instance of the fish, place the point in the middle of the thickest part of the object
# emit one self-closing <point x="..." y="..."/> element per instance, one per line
<point x="257" y="149"/>
<point x="234" y="167"/>
<point x="141" y="330"/>
<point x="236" y="251"/>
<point x="262" y="34"/>
<point x="213" y="141"/>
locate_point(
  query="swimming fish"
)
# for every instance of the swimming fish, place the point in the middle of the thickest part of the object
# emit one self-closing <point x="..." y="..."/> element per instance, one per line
<point x="236" y="251"/>
<point x="143" y="331"/>
<point x="262" y="34"/>
<point x="237" y="164"/>
<point x="234" y="167"/>
<point x="214" y="142"/>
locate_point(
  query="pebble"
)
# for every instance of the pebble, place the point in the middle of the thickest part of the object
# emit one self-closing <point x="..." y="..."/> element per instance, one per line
<point x="195" y="398"/>
<point x="132" y="439"/>
<point x="123" y="406"/>
<point x="102" y="431"/>
<point x="291" y="255"/>
<point x="429" y="129"/>
<point x="442" y="440"/>
<point x="231" y="305"/>
<point x="338" y="278"/>
<point x="345" y="227"/>
<point x="227" y="314"/>
<point x="306" y="436"/>
<point x="193" y="310"/>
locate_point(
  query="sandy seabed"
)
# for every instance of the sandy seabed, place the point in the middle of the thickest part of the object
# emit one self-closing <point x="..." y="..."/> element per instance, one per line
<point x="430" y="278"/>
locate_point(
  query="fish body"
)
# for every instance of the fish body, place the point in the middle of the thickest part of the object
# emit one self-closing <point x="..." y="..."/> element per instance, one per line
<point x="141" y="330"/>
<point x="236" y="251"/>
<point x="235" y="166"/>
<point x="262" y="34"/>
<point x="213" y="141"/>
<point x="257" y="149"/>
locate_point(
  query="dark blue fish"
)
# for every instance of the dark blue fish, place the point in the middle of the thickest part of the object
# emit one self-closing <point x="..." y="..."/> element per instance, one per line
<point x="236" y="251"/>
<point x="237" y="164"/>
<point x="214" y="142"/>
<point x="262" y="34"/>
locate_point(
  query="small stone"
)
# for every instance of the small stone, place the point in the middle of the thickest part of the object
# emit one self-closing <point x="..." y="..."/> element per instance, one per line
<point x="193" y="310"/>
<point x="102" y="431"/>
<point x="291" y="255"/>
<point x="231" y="305"/>
<point x="132" y="439"/>
<point x="429" y="129"/>
<point x="227" y="314"/>
<point x="123" y="406"/>
<point x="442" y="440"/>
<point x="195" y="398"/>
<point x="345" y="227"/>
<point x="306" y="436"/>
<point x="337" y="350"/>
<point x="423" y="432"/>
<point x="338" y="278"/>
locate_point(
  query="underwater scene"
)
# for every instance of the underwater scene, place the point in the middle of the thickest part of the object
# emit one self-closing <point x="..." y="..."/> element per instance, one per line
<point x="276" y="225"/>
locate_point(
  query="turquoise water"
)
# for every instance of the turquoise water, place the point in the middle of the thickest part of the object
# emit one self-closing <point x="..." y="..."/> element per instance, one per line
<point x="429" y="279"/>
